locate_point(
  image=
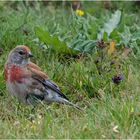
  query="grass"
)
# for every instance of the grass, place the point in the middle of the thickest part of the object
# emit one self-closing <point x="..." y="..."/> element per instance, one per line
<point x="110" y="110"/>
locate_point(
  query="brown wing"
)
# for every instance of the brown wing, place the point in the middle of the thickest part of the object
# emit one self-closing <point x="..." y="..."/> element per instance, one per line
<point x="37" y="76"/>
<point x="42" y="78"/>
<point x="34" y="66"/>
<point x="36" y="71"/>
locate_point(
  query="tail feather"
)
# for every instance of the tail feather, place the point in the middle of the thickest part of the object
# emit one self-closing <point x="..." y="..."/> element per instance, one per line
<point x="64" y="101"/>
<point x="52" y="96"/>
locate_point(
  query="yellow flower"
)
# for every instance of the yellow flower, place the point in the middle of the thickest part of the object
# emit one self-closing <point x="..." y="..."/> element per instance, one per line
<point x="79" y="12"/>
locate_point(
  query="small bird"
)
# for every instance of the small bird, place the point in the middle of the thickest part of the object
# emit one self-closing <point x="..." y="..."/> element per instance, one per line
<point x="25" y="80"/>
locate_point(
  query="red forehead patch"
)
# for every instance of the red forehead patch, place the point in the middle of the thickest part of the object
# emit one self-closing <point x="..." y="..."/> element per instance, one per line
<point x="26" y="48"/>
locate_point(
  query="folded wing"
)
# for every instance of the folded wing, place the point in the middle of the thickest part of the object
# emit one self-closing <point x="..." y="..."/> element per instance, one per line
<point x="42" y="78"/>
<point x="52" y="92"/>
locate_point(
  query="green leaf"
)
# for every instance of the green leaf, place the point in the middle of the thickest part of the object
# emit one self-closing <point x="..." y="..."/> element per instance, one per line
<point x="105" y="36"/>
<point x="115" y="35"/>
<point x="110" y="25"/>
<point x="82" y="44"/>
<point x="56" y="44"/>
<point x="136" y="35"/>
<point x="90" y="46"/>
<point x="126" y="36"/>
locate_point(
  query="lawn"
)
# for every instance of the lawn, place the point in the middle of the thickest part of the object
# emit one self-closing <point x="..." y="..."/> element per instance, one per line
<point x="92" y="53"/>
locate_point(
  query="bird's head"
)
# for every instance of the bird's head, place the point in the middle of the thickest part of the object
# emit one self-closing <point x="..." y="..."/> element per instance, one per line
<point x="20" y="55"/>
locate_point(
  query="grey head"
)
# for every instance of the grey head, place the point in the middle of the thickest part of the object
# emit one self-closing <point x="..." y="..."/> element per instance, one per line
<point x="19" y="55"/>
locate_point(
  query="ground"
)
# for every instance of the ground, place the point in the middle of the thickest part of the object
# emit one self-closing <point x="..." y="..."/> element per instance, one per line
<point x="103" y="81"/>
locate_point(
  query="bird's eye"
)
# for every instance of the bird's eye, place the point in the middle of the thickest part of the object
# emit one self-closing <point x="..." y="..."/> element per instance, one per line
<point x="21" y="52"/>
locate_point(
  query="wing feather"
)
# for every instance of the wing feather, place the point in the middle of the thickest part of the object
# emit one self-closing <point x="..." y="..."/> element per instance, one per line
<point x="42" y="78"/>
<point x="33" y="65"/>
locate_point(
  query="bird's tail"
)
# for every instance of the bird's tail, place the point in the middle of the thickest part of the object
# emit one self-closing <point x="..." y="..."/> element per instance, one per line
<point x="52" y="96"/>
<point x="65" y="101"/>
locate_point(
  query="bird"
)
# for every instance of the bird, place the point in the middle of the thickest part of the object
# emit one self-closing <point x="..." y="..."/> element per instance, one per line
<point x="26" y="80"/>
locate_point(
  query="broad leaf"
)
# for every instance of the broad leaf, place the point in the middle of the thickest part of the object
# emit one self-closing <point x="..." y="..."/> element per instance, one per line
<point x="53" y="41"/>
<point x="81" y="44"/>
<point x="125" y="36"/>
<point x="110" y="25"/>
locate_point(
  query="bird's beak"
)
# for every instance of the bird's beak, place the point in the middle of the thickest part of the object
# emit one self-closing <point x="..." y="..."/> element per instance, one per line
<point x="30" y="54"/>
